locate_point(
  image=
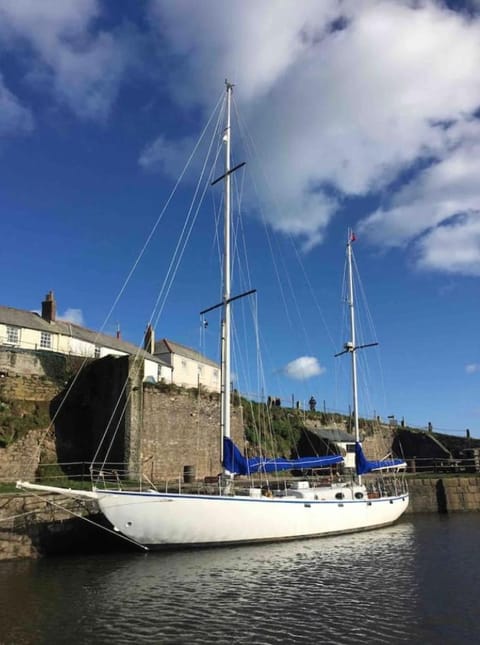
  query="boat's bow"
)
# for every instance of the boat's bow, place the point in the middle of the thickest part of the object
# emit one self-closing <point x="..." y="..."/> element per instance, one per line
<point x="69" y="492"/>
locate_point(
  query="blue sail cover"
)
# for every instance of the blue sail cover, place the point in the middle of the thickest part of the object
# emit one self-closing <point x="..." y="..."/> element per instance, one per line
<point x="236" y="463"/>
<point x="363" y="465"/>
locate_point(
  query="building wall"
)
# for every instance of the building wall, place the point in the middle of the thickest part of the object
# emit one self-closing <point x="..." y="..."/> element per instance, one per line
<point x="190" y="373"/>
<point x="29" y="339"/>
<point x="156" y="371"/>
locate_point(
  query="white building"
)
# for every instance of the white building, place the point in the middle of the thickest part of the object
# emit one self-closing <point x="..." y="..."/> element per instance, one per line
<point x="189" y="367"/>
<point x="28" y="330"/>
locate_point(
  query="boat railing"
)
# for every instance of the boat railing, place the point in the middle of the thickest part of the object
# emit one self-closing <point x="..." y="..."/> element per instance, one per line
<point x="117" y="474"/>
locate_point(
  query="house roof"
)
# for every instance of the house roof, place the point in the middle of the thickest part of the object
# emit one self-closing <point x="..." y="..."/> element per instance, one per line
<point x="166" y="346"/>
<point x="32" y="320"/>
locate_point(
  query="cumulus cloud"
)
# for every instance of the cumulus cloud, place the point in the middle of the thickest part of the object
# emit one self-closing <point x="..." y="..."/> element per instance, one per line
<point x="347" y="98"/>
<point x="344" y="99"/>
<point x="74" y="316"/>
<point x="303" y="368"/>
<point x="453" y="246"/>
<point x="80" y="65"/>
<point x="472" y="368"/>
<point x="439" y="208"/>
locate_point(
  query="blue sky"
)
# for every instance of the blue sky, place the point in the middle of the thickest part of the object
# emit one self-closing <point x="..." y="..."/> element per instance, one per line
<point x="365" y="114"/>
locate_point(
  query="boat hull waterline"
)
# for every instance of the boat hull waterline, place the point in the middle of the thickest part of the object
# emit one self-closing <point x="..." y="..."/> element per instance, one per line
<point x="160" y="520"/>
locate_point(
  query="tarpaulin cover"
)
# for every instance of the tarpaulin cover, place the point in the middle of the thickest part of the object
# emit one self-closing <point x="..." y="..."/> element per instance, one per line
<point x="363" y="465"/>
<point x="236" y="463"/>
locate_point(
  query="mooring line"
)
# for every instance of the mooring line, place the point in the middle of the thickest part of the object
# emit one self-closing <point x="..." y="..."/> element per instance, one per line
<point x="14" y="517"/>
<point x="86" y="519"/>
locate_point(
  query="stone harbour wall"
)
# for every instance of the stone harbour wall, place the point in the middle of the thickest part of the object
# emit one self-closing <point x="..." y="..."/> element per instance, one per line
<point x="44" y="524"/>
<point x="36" y="525"/>
<point x="444" y="494"/>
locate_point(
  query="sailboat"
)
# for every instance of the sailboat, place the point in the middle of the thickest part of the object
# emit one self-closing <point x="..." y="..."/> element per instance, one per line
<point x="239" y="513"/>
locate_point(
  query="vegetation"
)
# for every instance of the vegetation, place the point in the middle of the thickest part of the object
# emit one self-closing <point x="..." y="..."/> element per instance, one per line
<point x="273" y="429"/>
<point x="194" y="392"/>
<point x="17" y="418"/>
<point x="60" y="368"/>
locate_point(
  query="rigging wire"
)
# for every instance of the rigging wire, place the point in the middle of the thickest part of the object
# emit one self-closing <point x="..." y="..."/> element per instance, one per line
<point x="174" y="263"/>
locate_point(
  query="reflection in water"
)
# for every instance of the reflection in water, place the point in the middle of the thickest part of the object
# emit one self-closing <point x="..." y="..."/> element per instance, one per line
<point x="371" y="587"/>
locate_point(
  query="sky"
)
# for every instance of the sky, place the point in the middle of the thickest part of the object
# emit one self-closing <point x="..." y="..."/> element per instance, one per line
<point x="363" y="114"/>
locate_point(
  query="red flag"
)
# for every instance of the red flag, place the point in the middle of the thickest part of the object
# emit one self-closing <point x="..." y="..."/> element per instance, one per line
<point x="352" y="236"/>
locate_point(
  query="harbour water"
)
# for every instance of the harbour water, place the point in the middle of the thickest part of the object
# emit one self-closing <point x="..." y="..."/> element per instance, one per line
<point x="415" y="582"/>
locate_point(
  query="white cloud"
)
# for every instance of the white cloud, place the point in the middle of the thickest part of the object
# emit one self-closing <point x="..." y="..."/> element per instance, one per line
<point x="14" y="117"/>
<point x="303" y="368"/>
<point x="453" y="246"/>
<point x="471" y="368"/>
<point x="170" y="156"/>
<point x="431" y="204"/>
<point x="347" y="105"/>
<point x="74" y="316"/>
<point x="343" y="99"/>
<point x="81" y="68"/>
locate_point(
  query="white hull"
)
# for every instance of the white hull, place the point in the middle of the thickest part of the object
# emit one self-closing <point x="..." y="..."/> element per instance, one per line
<point x="159" y="520"/>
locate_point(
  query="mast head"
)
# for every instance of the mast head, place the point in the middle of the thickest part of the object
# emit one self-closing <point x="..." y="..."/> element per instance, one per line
<point x="229" y="85"/>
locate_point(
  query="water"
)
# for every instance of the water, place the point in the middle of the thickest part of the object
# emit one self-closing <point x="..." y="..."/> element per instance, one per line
<point x="416" y="582"/>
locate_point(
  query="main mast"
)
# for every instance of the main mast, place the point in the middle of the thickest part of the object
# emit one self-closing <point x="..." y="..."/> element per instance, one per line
<point x="226" y="379"/>
<point x="352" y="344"/>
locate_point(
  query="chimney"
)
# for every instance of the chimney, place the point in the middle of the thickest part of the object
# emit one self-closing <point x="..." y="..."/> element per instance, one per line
<point x="149" y="342"/>
<point x="118" y="332"/>
<point x="49" y="307"/>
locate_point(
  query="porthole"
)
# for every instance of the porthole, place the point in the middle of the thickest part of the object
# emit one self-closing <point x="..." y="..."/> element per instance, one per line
<point x="358" y="495"/>
<point x="339" y="496"/>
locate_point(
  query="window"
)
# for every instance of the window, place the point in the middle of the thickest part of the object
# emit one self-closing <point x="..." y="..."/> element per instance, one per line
<point x="13" y="335"/>
<point x="200" y="369"/>
<point x="215" y="375"/>
<point x="97" y="352"/>
<point x="184" y="364"/>
<point x="45" y="340"/>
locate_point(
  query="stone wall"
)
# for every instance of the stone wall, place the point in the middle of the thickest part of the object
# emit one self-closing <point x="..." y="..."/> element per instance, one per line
<point x="169" y="434"/>
<point x="20" y="460"/>
<point x="444" y="494"/>
<point x="378" y="444"/>
<point x="181" y="431"/>
<point x="35" y="525"/>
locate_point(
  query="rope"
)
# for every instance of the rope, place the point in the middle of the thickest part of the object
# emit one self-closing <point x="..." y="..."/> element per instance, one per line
<point x="86" y="519"/>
